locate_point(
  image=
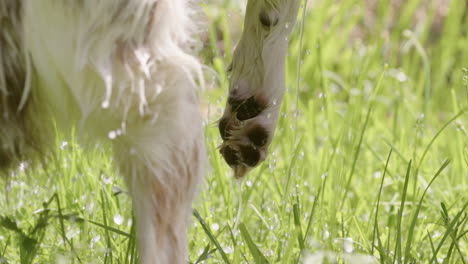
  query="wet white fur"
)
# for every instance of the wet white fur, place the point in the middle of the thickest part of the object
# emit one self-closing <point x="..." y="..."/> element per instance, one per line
<point x="121" y="71"/>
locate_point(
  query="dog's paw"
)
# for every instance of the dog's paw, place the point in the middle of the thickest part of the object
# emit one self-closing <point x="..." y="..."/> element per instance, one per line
<point x="246" y="128"/>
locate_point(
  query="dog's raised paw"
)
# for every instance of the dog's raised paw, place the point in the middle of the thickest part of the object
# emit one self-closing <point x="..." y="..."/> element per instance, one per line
<point x="246" y="129"/>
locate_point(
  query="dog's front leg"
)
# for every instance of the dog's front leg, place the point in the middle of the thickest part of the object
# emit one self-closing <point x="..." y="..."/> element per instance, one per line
<point x="163" y="163"/>
<point x="257" y="83"/>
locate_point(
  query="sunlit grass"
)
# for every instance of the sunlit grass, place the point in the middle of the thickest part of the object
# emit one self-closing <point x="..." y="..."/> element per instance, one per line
<point x="369" y="163"/>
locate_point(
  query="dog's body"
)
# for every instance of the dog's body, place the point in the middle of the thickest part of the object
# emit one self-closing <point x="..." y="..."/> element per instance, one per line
<point x="121" y="70"/>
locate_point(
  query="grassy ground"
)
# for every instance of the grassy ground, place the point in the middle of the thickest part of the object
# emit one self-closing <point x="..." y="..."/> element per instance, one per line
<point x="369" y="163"/>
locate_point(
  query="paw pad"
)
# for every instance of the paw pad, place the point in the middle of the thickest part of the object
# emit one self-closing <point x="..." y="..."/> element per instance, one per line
<point x="245" y="138"/>
<point x="246" y="109"/>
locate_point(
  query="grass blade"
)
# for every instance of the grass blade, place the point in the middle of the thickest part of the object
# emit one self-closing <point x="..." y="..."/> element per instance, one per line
<point x="397" y="255"/>
<point x="258" y="256"/>
<point x="378" y="200"/>
<point x="450" y="228"/>
<point x="418" y="208"/>
<point x="211" y="236"/>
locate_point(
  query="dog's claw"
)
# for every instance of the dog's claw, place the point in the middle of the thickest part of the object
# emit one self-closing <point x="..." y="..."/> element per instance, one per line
<point x="240" y="171"/>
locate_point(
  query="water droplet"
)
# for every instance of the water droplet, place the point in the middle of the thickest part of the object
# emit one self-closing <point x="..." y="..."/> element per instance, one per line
<point x="215" y="227"/>
<point x="348" y="245"/>
<point x="107" y="180"/>
<point x="272" y="165"/>
<point x="228" y="250"/>
<point x="112" y="135"/>
<point x="377" y="174"/>
<point x="118" y="219"/>
<point x="96" y="239"/>
<point x="324" y="175"/>
<point x="63" y="145"/>
<point x="105" y="104"/>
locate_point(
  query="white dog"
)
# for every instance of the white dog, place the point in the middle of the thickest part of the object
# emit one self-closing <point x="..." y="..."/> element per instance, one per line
<point x="122" y="71"/>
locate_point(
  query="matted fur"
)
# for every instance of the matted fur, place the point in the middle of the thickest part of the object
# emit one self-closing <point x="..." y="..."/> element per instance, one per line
<point x="121" y="71"/>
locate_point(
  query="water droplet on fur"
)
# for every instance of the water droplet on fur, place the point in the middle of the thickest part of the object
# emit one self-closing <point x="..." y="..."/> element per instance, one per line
<point x="105" y="104"/>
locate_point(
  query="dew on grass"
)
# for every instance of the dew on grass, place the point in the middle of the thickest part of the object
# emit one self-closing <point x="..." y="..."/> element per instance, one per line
<point x="112" y="135"/>
<point x="272" y="165"/>
<point x="248" y="183"/>
<point x="107" y="180"/>
<point x="228" y="249"/>
<point x="324" y="176"/>
<point x="215" y="227"/>
<point x="95" y="239"/>
<point x="89" y="208"/>
<point x="348" y="245"/>
<point x="377" y="174"/>
<point x="23" y="165"/>
<point x="118" y="219"/>
<point x="301" y="157"/>
<point x="63" y="145"/>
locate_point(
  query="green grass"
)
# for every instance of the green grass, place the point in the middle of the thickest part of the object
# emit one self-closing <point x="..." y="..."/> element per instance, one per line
<point x="369" y="163"/>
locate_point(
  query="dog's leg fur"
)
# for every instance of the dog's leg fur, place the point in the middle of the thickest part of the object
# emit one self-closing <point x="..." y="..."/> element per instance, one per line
<point x="117" y="71"/>
<point x="162" y="170"/>
<point x="257" y="83"/>
<point x="17" y="135"/>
